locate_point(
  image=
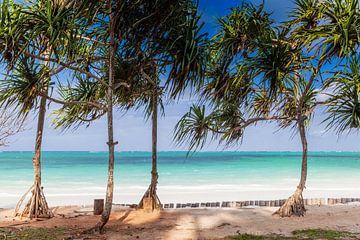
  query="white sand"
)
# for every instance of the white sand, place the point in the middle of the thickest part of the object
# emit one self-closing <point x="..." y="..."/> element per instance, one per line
<point x="201" y="223"/>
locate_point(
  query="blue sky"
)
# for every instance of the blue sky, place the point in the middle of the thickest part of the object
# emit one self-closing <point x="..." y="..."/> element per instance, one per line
<point x="134" y="134"/>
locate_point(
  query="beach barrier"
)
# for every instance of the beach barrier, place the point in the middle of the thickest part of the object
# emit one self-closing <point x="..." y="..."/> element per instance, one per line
<point x="99" y="203"/>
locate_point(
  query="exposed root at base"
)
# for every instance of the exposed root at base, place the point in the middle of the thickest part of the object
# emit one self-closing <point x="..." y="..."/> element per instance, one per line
<point x="150" y="201"/>
<point x="294" y="206"/>
<point x="36" y="207"/>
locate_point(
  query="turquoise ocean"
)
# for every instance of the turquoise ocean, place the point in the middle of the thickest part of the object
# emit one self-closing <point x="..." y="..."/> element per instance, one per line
<point x="79" y="177"/>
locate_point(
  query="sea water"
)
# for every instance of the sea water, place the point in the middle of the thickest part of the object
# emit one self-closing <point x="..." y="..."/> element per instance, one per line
<point x="79" y="177"/>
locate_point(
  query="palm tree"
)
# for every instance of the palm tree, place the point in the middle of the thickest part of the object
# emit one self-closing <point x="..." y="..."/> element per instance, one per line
<point x="18" y="92"/>
<point x="256" y="79"/>
<point x="33" y="38"/>
<point x="331" y="27"/>
<point x="126" y="47"/>
<point x="150" y="200"/>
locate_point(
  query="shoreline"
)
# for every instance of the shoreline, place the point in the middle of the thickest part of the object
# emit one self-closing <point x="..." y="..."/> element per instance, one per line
<point x="57" y="197"/>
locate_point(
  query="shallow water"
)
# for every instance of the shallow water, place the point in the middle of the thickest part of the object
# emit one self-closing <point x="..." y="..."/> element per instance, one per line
<point x="79" y="177"/>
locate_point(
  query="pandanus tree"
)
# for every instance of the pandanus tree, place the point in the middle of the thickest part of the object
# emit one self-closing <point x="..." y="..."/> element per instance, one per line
<point x="31" y="37"/>
<point x="18" y="92"/>
<point x="151" y="100"/>
<point x="138" y="36"/>
<point x="260" y="73"/>
<point x="186" y="55"/>
<point x="145" y="94"/>
<point x="330" y="32"/>
<point x="343" y="103"/>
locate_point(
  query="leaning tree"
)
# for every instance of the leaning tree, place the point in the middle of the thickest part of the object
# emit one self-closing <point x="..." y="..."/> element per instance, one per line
<point x="262" y="72"/>
<point x="133" y="38"/>
<point x="330" y="33"/>
<point x="33" y="39"/>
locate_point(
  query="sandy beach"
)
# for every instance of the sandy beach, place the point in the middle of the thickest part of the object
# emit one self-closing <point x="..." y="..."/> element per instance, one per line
<point x="216" y="223"/>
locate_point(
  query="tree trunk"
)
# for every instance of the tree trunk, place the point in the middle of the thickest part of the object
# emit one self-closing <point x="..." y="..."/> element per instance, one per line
<point x="37" y="206"/>
<point x="150" y="200"/>
<point x="294" y="205"/>
<point x="111" y="144"/>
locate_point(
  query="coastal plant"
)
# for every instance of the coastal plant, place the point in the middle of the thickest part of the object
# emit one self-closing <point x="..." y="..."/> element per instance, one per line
<point x="266" y="72"/>
<point x="343" y="106"/>
<point x="189" y="46"/>
<point x="155" y="35"/>
<point x="254" y="76"/>
<point x="32" y="42"/>
<point x="331" y="34"/>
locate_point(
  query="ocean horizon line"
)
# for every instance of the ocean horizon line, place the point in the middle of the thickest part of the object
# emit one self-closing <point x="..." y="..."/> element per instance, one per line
<point x="174" y="151"/>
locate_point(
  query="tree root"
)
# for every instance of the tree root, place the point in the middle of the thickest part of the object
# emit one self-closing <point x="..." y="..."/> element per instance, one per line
<point x="36" y="207"/>
<point x="98" y="228"/>
<point x="94" y="230"/>
<point x="294" y="205"/>
<point x="150" y="200"/>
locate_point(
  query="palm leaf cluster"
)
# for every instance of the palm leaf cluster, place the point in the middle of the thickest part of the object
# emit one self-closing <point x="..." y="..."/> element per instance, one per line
<point x="332" y="26"/>
<point x="22" y="87"/>
<point x="343" y="100"/>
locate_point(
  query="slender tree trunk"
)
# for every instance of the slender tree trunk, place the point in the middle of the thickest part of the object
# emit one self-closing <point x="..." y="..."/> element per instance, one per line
<point x="111" y="144"/>
<point x="304" y="155"/>
<point x="294" y="205"/>
<point x="37" y="206"/>
<point x="150" y="200"/>
<point x="154" y="173"/>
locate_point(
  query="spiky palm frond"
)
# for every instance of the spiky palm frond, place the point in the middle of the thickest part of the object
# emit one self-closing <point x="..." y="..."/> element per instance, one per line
<point x="338" y="35"/>
<point x="289" y="105"/>
<point x="188" y="54"/>
<point x="193" y="128"/>
<point x="74" y="115"/>
<point x="20" y="89"/>
<point x="58" y="26"/>
<point x="235" y="86"/>
<point x="11" y="32"/>
<point x="227" y="121"/>
<point x="261" y="104"/>
<point x="276" y="60"/>
<point x="343" y="105"/>
<point x="237" y="40"/>
<point x="223" y="123"/>
<point x="168" y="34"/>
<point x="307" y="14"/>
<point x="184" y="52"/>
<point x="268" y="69"/>
<point x="240" y="29"/>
